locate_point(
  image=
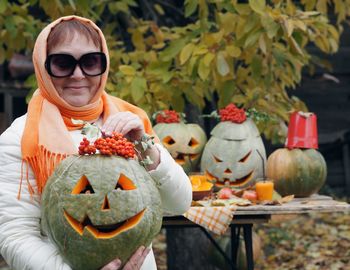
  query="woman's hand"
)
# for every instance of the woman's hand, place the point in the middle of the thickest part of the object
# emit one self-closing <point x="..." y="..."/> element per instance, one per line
<point x="126" y="123"/>
<point x="134" y="263"/>
<point x="131" y="126"/>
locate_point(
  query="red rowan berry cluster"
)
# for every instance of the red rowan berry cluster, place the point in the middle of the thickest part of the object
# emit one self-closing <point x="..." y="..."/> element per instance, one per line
<point x="233" y="114"/>
<point x="86" y="148"/>
<point x="168" y="116"/>
<point x="114" y="145"/>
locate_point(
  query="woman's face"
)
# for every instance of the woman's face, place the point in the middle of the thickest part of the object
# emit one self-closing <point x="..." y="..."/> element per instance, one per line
<point x="77" y="89"/>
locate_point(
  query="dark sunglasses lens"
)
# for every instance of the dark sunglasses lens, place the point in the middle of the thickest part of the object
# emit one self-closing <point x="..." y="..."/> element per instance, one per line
<point x="93" y="64"/>
<point x="62" y="65"/>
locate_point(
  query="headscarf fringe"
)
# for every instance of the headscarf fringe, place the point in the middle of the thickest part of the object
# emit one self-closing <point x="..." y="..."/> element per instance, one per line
<point x="42" y="168"/>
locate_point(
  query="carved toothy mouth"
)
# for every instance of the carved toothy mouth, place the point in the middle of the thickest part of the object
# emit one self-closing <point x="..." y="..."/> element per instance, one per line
<point x="226" y="181"/>
<point x="103" y="231"/>
<point x="181" y="158"/>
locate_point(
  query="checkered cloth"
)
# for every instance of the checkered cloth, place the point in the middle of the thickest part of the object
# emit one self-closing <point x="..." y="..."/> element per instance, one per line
<point x="215" y="219"/>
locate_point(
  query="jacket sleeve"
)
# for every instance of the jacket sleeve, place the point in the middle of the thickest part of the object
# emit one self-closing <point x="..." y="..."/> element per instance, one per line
<point x="21" y="243"/>
<point x="173" y="184"/>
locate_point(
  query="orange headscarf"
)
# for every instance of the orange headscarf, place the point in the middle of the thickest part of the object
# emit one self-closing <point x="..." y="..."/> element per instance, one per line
<point x="46" y="140"/>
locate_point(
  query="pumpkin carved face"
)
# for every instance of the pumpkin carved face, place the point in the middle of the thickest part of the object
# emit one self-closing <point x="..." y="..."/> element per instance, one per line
<point x="185" y="142"/>
<point x="96" y="208"/>
<point x="234" y="155"/>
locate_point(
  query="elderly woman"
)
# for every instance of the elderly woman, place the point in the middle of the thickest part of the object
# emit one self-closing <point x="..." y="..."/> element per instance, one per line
<point x="71" y="66"/>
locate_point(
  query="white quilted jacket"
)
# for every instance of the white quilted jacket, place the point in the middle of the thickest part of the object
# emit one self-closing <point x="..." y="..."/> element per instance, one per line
<point x="21" y="243"/>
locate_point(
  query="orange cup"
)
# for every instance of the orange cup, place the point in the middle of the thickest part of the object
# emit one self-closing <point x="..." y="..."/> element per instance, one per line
<point x="302" y="131"/>
<point x="264" y="190"/>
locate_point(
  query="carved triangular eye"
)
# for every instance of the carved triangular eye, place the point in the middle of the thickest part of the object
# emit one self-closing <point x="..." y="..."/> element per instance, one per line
<point x="193" y="143"/>
<point x="124" y="183"/>
<point x="217" y="159"/>
<point x="244" y="159"/>
<point x="83" y="186"/>
<point x="168" y="140"/>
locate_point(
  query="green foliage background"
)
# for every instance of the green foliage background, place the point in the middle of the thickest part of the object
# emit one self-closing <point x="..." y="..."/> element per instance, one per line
<point x="170" y="53"/>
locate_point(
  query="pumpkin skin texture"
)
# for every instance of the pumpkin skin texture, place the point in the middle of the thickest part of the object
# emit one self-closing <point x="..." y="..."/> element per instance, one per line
<point x="301" y="172"/>
<point x="234" y="155"/>
<point x="185" y="143"/>
<point x="98" y="208"/>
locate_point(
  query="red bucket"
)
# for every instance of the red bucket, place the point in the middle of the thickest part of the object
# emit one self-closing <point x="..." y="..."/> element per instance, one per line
<point x="302" y="131"/>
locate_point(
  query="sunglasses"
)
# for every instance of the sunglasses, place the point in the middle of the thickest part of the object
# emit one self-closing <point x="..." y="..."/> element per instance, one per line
<point x="62" y="65"/>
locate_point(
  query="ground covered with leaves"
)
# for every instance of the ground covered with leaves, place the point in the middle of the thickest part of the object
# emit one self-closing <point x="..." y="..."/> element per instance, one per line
<point x="318" y="241"/>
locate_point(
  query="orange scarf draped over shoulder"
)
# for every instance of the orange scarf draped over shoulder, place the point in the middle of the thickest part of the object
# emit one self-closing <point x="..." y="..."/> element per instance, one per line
<point x="46" y="140"/>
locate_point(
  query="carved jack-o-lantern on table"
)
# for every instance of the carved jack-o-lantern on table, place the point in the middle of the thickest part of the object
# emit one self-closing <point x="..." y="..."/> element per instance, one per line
<point x="185" y="142"/>
<point x="97" y="208"/>
<point x="235" y="154"/>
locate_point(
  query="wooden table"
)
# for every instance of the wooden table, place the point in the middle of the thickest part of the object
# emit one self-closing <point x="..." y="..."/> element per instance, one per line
<point x="246" y="216"/>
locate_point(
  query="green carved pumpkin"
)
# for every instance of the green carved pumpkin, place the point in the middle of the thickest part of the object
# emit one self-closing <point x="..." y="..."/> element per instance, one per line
<point x="97" y="208"/>
<point x="301" y="172"/>
<point x="185" y="142"/>
<point x="234" y="155"/>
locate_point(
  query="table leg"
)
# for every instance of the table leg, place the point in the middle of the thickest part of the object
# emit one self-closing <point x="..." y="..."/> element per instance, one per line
<point x="235" y="232"/>
<point x="248" y="241"/>
<point x="216" y="245"/>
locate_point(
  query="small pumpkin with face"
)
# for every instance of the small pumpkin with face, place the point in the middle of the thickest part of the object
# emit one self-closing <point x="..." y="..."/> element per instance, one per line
<point x="97" y="208"/>
<point x="235" y="154"/>
<point x="185" y="142"/>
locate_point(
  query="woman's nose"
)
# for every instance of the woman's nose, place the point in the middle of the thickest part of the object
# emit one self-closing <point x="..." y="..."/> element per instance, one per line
<point x="78" y="73"/>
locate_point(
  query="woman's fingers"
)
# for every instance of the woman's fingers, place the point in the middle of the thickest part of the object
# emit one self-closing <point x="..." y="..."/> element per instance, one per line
<point x="137" y="259"/>
<point x="134" y="263"/>
<point x="126" y="123"/>
<point x="113" y="265"/>
<point x="115" y="122"/>
<point x="128" y="126"/>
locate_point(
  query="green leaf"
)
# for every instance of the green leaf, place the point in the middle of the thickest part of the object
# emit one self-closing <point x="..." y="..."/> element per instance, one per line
<point x="186" y="53"/>
<point x="11" y="26"/>
<point x="167" y="76"/>
<point x="3" y="5"/>
<point x="208" y="58"/>
<point x="252" y="39"/>
<point x="90" y="130"/>
<point x="222" y="65"/>
<point x="174" y="48"/>
<point x="256" y="67"/>
<point x="233" y="51"/>
<point x="178" y="103"/>
<point x="190" y="7"/>
<point x="127" y="70"/>
<point x="203" y="70"/>
<point x="270" y="26"/>
<point x="138" y="88"/>
<point x="258" y="6"/>
<point x="279" y="57"/>
<point x="226" y="92"/>
<point x="159" y="9"/>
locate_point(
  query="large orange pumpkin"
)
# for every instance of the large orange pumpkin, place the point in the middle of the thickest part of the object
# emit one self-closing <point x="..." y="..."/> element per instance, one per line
<point x="301" y="172"/>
